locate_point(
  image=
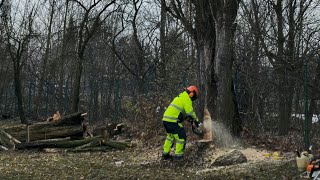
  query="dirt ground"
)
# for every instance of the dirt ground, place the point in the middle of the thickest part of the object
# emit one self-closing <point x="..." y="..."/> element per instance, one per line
<point x="142" y="163"/>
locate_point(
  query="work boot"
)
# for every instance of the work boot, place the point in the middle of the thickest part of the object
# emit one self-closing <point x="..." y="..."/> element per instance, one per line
<point x="166" y="156"/>
<point x="178" y="158"/>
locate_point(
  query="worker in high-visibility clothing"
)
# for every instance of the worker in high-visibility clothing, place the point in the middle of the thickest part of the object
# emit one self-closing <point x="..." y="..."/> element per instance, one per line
<point x="179" y="109"/>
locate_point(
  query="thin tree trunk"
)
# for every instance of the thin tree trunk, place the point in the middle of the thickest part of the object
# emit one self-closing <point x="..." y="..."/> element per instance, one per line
<point x="163" y="52"/>
<point x="45" y="59"/>
<point x="18" y="93"/>
<point x="285" y="92"/>
<point x="76" y="85"/>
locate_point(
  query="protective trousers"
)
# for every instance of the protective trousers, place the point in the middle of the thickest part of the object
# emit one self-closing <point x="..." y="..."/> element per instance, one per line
<point x="177" y="134"/>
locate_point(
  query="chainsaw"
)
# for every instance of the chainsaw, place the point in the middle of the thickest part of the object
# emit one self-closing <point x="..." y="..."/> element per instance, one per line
<point x="196" y="130"/>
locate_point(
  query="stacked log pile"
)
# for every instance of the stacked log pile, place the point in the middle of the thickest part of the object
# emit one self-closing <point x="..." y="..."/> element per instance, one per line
<point x="68" y="126"/>
<point x="67" y="133"/>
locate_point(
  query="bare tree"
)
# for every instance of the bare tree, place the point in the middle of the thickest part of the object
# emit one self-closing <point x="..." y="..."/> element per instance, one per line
<point x="17" y="44"/>
<point x="43" y="72"/>
<point x="215" y="55"/>
<point x="85" y="32"/>
<point x="163" y="46"/>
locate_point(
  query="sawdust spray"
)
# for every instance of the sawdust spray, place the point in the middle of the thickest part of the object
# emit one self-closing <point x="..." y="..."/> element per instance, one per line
<point x="220" y="135"/>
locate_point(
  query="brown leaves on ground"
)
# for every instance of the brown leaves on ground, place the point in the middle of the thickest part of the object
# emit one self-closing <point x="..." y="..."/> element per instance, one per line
<point x="288" y="143"/>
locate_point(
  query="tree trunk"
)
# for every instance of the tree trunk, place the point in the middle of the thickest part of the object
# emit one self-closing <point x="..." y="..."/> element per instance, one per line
<point x="225" y="105"/>
<point x="163" y="46"/>
<point x="18" y="93"/>
<point x="76" y="85"/>
<point x="285" y="88"/>
<point x="45" y="58"/>
<point x="205" y="45"/>
<point x="223" y="76"/>
<point x="62" y="59"/>
<point x="285" y="92"/>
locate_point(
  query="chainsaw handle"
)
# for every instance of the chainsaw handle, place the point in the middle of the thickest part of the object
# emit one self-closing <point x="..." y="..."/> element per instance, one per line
<point x="195" y="131"/>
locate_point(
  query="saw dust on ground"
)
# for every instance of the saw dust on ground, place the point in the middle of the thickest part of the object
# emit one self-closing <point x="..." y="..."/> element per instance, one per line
<point x="256" y="155"/>
<point x="250" y="153"/>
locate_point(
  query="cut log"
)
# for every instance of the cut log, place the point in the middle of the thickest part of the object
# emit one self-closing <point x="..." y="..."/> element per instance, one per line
<point x="116" y="144"/>
<point x="72" y="119"/>
<point x="93" y="149"/>
<point x="63" y="143"/>
<point x="93" y="143"/>
<point x="67" y="126"/>
<point x="77" y="145"/>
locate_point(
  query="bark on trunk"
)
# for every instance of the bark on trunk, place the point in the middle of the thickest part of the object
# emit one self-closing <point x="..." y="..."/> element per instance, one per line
<point x="225" y="105"/>
<point x="225" y="13"/>
<point x="76" y="85"/>
<point x="18" y="92"/>
<point x="163" y="52"/>
<point x="44" y="73"/>
<point x="205" y="44"/>
<point x="285" y="103"/>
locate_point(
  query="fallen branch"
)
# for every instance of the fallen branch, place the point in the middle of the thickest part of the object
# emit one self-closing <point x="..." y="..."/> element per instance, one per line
<point x="93" y="143"/>
<point x="116" y="144"/>
<point x="7" y="141"/>
<point x="93" y="149"/>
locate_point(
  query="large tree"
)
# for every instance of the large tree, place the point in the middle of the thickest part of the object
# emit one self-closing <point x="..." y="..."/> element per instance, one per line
<point x="213" y="33"/>
<point x="225" y="13"/>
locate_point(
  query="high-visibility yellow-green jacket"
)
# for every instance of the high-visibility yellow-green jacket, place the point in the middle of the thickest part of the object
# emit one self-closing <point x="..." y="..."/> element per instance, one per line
<point x="181" y="105"/>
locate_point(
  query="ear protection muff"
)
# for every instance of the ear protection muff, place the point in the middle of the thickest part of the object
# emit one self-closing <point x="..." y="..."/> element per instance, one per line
<point x="192" y="92"/>
<point x="192" y="95"/>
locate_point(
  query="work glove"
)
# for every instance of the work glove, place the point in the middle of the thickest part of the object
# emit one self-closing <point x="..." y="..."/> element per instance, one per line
<point x="189" y="118"/>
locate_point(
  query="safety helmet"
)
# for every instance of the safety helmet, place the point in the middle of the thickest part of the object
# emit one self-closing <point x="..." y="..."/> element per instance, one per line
<point x="193" y="92"/>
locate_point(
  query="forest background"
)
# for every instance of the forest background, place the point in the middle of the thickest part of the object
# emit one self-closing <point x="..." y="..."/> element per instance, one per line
<point x="257" y="63"/>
